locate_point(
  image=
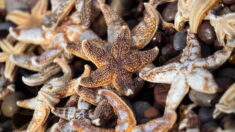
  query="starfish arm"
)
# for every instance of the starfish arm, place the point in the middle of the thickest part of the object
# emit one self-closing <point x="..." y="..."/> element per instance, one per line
<point x="126" y="118"/>
<point x="103" y="112"/>
<point x="6" y="46"/>
<point x="20" y="47"/>
<point x="33" y="35"/>
<point x="64" y="67"/>
<point x="84" y="12"/>
<point x="100" y="77"/>
<point x="83" y="126"/>
<point x="76" y="49"/>
<point x="18" y="17"/>
<point x="215" y="60"/>
<point x="10" y="72"/>
<point x="29" y="103"/>
<point x="3" y="56"/>
<point x="40" y="8"/>
<point x="7" y="91"/>
<point x="124" y="83"/>
<point x="193" y="49"/>
<point x="121" y="46"/>
<point x="179" y="88"/>
<point x="95" y="54"/>
<point x="41" y="77"/>
<point x="163" y="74"/>
<point x="88" y="94"/>
<point x="202" y="80"/>
<point x="139" y="59"/>
<point x="113" y="21"/>
<point x="145" y="30"/>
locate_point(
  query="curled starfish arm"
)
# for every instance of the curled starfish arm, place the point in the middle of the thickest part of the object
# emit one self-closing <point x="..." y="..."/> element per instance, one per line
<point x="179" y="88"/>
<point x="9" y="71"/>
<point x="121" y="46"/>
<point x="202" y="80"/>
<point x="95" y="54"/>
<point x="41" y="77"/>
<point x="18" y="17"/>
<point x="139" y="59"/>
<point x="88" y="94"/>
<point x="163" y="74"/>
<point x="76" y="49"/>
<point x="100" y="77"/>
<point x="144" y="31"/>
<point x="33" y="35"/>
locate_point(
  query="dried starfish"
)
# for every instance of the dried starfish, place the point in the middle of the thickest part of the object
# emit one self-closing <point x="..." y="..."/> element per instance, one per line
<point x="226" y="103"/>
<point x="7" y="49"/>
<point x="25" y="20"/>
<point x="48" y="96"/>
<point x="224" y="27"/>
<point x="193" y="11"/>
<point x="116" y="64"/>
<point x="126" y="120"/>
<point x="190" y="71"/>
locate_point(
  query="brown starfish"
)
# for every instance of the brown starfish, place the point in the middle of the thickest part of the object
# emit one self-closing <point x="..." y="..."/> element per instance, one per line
<point x="25" y="20"/>
<point x="117" y="63"/>
<point x="126" y="120"/>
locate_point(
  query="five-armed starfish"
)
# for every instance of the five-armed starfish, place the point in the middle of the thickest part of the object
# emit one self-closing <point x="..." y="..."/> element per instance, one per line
<point x="226" y="103"/>
<point x="191" y="71"/>
<point x="117" y="63"/>
<point x="25" y="20"/>
<point x="48" y="96"/>
<point x="193" y="11"/>
<point x="126" y="121"/>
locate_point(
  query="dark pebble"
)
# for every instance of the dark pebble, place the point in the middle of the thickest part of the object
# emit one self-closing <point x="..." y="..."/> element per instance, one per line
<point x="223" y="83"/>
<point x="205" y="50"/>
<point x="179" y="41"/>
<point x="205" y="114"/>
<point x="206" y="32"/>
<point x="210" y="127"/>
<point x="232" y="8"/>
<point x="228" y="2"/>
<point x="160" y="93"/>
<point x="139" y="108"/>
<point x="157" y="39"/>
<point x="169" y="50"/>
<point x="169" y="12"/>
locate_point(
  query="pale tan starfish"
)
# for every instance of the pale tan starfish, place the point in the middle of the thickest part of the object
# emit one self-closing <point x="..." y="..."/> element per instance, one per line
<point x="25" y="20"/>
<point x="193" y="11"/>
<point x="226" y="103"/>
<point x="126" y="121"/>
<point x="190" y="71"/>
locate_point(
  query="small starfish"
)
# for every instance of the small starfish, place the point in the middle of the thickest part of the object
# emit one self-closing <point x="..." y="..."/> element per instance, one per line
<point x="190" y="71"/>
<point x="25" y="20"/>
<point x="226" y="103"/>
<point x="7" y="49"/>
<point x="126" y="120"/>
<point x="224" y="27"/>
<point x="48" y="96"/>
<point x="193" y="11"/>
<point x="116" y="64"/>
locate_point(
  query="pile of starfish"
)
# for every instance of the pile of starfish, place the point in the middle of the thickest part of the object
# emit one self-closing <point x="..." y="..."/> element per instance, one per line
<point x="63" y="33"/>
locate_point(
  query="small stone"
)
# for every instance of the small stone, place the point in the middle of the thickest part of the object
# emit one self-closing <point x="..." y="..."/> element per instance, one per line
<point x="169" y="12"/>
<point x="139" y="108"/>
<point x="157" y="39"/>
<point x="232" y="7"/>
<point x="179" y="41"/>
<point x="228" y="2"/>
<point x="160" y="93"/>
<point x="206" y="32"/>
<point x="169" y="50"/>
<point x="205" y="114"/>
<point x="232" y="59"/>
<point x="151" y="112"/>
<point x="201" y="99"/>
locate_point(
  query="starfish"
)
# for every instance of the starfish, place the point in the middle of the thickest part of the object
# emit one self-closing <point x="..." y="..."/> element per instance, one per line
<point x="48" y="96"/>
<point x="224" y="27"/>
<point x="7" y="49"/>
<point x="226" y="103"/>
<point x="116" y="64"/>
<point x="193" y="11"/>
<point x="25" y="20"/>
<point x="191" y="71"/>
<point x="126" y="120"/>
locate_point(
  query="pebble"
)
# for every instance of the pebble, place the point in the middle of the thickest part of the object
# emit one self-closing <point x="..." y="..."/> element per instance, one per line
<point x="210" y="127"/>
<point x="151" y="112"/>
<point x="139" y="108"/>
<point x="223" y="83"/>
<point x="232" y="59"/>
<point x="227" y="72"/>
<point x="232" y="7"/>
<point x="169" y="50"/>
<point x="205" y="114"/>
<point x="206" y="32"/>
<point x="228" y="122"/>
<point x="169" y="12"/>
<point x="9" y="107"/>
<point x="228" y="2"/>
<point x="201" y="99"/>
<point x="160" y="93"/>
<point x="179" y="41"/>
<point x="157" y="39"/>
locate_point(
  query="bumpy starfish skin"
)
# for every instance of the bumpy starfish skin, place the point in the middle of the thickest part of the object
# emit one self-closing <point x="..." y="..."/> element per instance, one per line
<point x="126" y="120"/>
<point x="48" y="96"/>
<point x="191" y="71"/>
<point x="7" y="49"/>
<point x="224" y="27"/>
<point x="226" y="103"/>
<point x="193" y="11"/>
<point x="26" y="20"/>
<point x="117" y="63"/>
